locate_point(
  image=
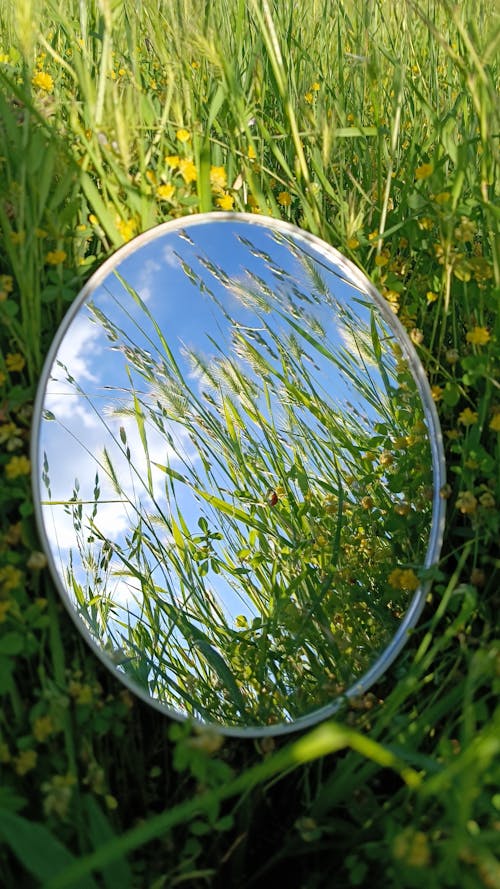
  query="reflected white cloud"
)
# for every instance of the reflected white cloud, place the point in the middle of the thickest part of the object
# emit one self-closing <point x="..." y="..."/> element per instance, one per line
<point x="145" y="285"/>
<point x="170" y="257"/>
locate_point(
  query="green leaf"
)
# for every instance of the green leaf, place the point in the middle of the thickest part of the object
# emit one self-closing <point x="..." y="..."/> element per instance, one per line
<point x="451" y="394"/>
<point x="170" y="472"/>
<point x="233" y="511"/>
<point x="354" y="132"/>
<point x="101" y="831"/>
<point x="37" y="850"/>
<point x="11" y="800"/>
<point x="224" y="672"/>
<point x="11" y="643"/>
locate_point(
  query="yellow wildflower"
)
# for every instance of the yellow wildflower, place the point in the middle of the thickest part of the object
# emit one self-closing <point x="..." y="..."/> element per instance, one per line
<point x="165" y="192"/>
<point x="481" y="268"/>
<point x="17" y="466"/>
<point x="183" y="135"/>
<point x="218" y="178"/>
<point x="467" y="503"/>
<point x="6" y="286"/>
<point x="424" y="171"/>
<point x="187" y="170"/>
<point x="225" y="202"/>
<point x="58" y="792"/>
<point x="431" y="296"/>
<point x="402" y="508"/>
<point x="425" y="223"/>
<point x="284" y="198"/>
<point x="13" y="534"/>
<point x="382" y="259"/>
<point x="172" y="160"/>
<point x="442" y="198"/>
<point x="14" y="361"/>
<point x="43" y="81"/>
<point x="461" y="268"/>
<point x="352" y="243"/>
<point x="466" y="230"/>
<point x="43" y="727"/>
<point x="478" y="336"/>
<point x="437" y="393"/>
<point x="82" y="693"/>
<point x="404" y="579"/>
<point x="25" y="761"/>
<point x="55" y="257"/>
<point x="487" y="500"/>
<point x="85" y="695"/>
<point x="494" y="423"/>
<point x="4" y="608"/>
<point x="10" y="578"/>
<point x="151" y="176"/>
<point x="309" y="97"/>
<point x="412" y="847"/>
<point x="126" y="227"/>
<point x="251" y="153"/>
<point x="36" y="561"/>
<point x="315" y="86"/>
<point x="468" y="417"/>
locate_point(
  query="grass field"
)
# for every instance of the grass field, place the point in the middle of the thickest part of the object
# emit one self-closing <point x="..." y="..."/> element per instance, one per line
<point x="375" y="126"/>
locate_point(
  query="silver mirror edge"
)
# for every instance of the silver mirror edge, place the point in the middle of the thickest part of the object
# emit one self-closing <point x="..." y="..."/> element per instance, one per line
<point x="417" y="603"/>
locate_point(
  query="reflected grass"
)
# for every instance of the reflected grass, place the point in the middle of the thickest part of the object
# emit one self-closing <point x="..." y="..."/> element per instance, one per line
<point x="261" y="571"/>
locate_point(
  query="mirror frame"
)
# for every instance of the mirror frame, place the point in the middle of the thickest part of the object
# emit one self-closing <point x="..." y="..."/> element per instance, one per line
<point x="414" y="609"/>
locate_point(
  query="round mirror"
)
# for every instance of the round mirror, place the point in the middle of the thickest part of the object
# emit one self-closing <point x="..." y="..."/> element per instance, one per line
<point x="237" y="464"/>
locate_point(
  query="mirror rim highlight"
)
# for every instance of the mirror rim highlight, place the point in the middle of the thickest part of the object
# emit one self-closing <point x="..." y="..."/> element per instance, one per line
<point x="436" y="531"/>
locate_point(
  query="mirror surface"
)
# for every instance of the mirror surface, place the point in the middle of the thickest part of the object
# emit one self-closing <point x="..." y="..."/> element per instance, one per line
<point x="237" y="464"/>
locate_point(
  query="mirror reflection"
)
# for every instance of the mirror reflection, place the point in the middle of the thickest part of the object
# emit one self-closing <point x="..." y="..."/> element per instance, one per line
<point x="235" y="472"/>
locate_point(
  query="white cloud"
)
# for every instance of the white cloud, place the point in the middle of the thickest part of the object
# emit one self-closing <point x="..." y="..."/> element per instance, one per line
<point x="77" y="353"/>
<point x="169" y="255"/>
<point x="145" y="286"/>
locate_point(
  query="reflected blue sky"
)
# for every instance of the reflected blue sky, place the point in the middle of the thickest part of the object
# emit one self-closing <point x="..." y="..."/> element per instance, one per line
<point x="198" y="291"/>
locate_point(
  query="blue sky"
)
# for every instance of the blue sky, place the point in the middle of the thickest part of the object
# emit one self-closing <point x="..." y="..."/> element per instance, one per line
<point x="171" y="276"/>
